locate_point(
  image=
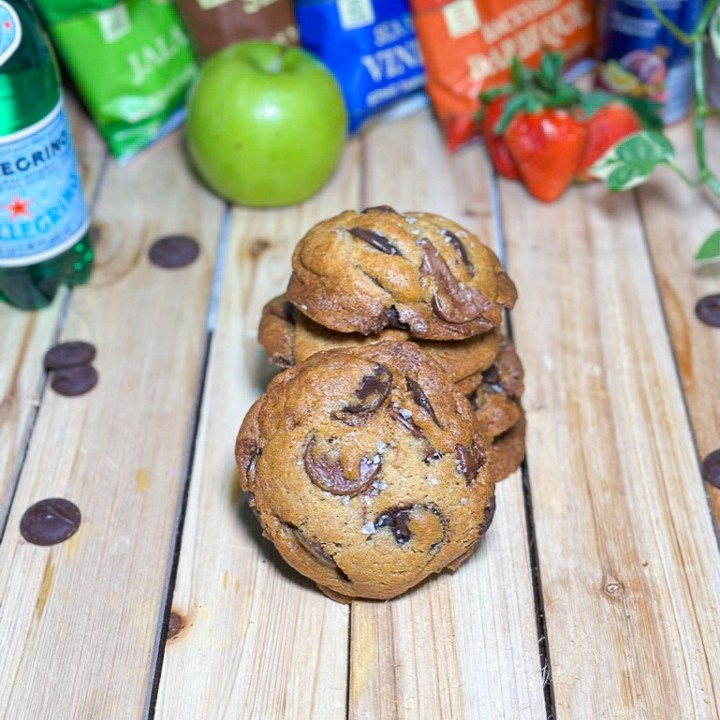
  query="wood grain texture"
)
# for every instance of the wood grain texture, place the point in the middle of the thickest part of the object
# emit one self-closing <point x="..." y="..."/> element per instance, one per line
<point x="677" y="219"/>
<point x="462" y="645"/>
<point x="25" y="336"/>
<point x="628" y="558"/>
<point x="80" y="620"/>
<point x="259" y="640"/>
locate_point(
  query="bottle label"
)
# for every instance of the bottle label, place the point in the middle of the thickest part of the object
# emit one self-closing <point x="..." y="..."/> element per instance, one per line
<point x="10" y="31"/>
<point x="42" y="207"/>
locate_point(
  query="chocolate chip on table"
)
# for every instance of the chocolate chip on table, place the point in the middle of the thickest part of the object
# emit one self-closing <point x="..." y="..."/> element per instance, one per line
<point x="707" y="310"/>
<point x="50" y="521"/>
<point x="75" y="380"/>
<point x="710" y="468"/>
<point x="173" y="251"/>
<point x="68" y="354"/>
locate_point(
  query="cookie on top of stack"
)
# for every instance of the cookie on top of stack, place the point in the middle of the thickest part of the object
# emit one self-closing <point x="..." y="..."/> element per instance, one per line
<point x="371" y="460"/>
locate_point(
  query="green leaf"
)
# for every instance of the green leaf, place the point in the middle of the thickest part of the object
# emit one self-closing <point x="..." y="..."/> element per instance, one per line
<point x="646" y="145"/>
<point x="633" y="160"/>
<point x="710" y="250"/>
<point x="625" y="177"/>
<point x="591" y="102"/>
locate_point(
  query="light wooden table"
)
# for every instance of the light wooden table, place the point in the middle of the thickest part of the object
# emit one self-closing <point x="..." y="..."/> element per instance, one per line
<point x="596" y="593"/>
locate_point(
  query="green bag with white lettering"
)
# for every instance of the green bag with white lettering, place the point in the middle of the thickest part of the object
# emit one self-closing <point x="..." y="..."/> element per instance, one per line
<point x="131" y="61"/>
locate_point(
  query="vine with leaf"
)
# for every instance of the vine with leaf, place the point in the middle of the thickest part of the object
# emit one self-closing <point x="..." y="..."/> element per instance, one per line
<point x="633" y="160"/>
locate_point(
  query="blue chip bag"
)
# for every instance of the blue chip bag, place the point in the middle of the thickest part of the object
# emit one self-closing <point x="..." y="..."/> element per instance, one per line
<point x="369" y="45"/>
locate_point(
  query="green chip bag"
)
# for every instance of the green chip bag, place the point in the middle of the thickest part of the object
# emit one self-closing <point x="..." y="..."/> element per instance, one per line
<point x="132" y="63"/>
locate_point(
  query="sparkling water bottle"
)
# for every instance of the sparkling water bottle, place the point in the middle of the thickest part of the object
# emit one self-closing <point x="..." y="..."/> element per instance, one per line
<point x="44" y="239"/>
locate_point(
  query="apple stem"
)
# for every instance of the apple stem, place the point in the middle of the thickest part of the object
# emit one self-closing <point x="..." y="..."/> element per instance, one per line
<point x="276" y="64"/>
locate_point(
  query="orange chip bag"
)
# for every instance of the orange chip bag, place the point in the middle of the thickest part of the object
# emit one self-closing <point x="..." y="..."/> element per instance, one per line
<point x="468" y="46"/>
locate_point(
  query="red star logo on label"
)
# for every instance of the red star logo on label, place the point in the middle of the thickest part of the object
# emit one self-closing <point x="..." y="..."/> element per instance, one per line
<point x="18" y="207"/>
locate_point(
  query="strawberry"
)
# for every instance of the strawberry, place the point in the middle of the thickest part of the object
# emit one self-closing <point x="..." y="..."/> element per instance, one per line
<point x="546" y="146"/>
<point x="607" y="125"/>
<point x="495" y="143"/>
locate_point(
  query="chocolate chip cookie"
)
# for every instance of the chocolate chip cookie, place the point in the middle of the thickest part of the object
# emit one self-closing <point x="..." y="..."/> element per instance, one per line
<point x="419" y="272"/>
<point x="507" y="450"/>
<point x="289" y="337"/>
<point x="367" y="469"/>
<point x="496" y="400"/>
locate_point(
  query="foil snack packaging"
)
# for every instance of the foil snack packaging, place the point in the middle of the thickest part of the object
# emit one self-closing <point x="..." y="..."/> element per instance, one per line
<point x="468" y="46"/>
<point x="215" y="24"/>
<point x="132" y="63"/>
<point x="371" y="48"/>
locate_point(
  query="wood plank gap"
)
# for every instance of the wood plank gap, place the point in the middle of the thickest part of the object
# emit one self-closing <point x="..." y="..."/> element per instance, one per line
<point x="166" y="606"/>
<point x="43" y="379"/>
<point x="543" y="642"/>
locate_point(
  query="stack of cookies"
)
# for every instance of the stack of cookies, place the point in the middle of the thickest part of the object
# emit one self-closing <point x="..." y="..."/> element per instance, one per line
<point x="371" y="460"/>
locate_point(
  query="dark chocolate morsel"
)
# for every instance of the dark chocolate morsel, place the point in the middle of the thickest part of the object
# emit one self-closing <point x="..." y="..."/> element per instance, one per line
<point x="420" y="398"/>
<point x="404" y="417"/>
<point x="173" y="251"/>
<point x="328" y="475"/>
<point x="393" y="319"/>
<point x="50" y="521"/>
<point x="491" y="377"/>
<point x="376" y="240"/>
<point x="67" y="354"/>
<point x="251" y="465"/>
<point x="710" y="468"/>
<point x="707" y="310"/>
<point x="75" y="380"/>
<point x="454" y="240"/>
<point x="381" y="208"/>
<point x="488" y="515"/>
<point x="452" y="302"/>
<point x="470" y="460"/>
<point x="313" y="547"/>
<point x="398" y="519"/>
<point x="371" y="393"/>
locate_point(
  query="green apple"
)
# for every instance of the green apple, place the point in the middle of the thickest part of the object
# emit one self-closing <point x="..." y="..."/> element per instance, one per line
<point x="266" y="124"/>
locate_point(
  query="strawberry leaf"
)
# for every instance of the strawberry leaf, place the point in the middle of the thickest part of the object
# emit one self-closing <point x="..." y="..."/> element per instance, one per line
<point x="710" y="250"/>
<point x="648" y="111"/>
<point x="633" y="160"/>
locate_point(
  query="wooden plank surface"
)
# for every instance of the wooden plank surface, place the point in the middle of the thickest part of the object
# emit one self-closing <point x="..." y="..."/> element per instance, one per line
<point x="80" y="620"/>
<point x="25" y="336"/>
<point x="466" y="645"/>
<point x="258" y="640"/>
<point x="677" y="219"/>
<point x="628" y="557"/>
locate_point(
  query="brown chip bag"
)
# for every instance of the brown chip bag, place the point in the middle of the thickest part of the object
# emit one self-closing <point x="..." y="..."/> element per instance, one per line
<point x="468" y="46"/>
<point x="213" y="24"/>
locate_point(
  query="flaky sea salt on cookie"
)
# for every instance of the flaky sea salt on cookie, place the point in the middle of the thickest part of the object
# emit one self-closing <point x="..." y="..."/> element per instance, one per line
<point x="420" y="272"/>
<point x="366" y="469"/>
